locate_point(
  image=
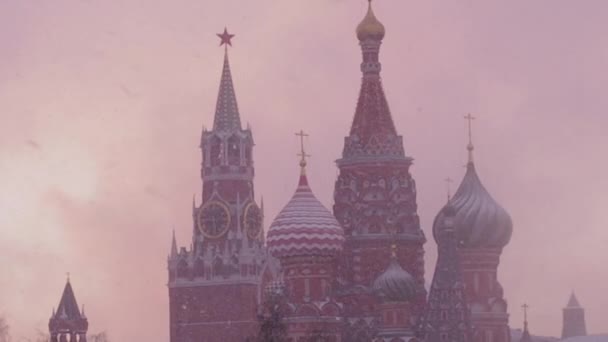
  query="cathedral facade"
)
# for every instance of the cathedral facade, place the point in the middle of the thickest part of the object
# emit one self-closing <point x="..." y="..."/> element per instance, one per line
<point x="354" y="273"/>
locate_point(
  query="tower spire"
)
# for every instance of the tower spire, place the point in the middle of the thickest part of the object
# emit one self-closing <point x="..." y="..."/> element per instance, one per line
<point x="227" y="116"/>
<point x="470" y="146"/>
<point x="173" y="246"/>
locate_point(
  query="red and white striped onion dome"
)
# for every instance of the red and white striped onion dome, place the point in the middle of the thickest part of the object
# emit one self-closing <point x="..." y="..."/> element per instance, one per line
<point x="304" y="227"/>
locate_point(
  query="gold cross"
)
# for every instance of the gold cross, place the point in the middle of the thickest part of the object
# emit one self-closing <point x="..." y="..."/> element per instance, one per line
<point x="525" y="307"/>
<point x="302" y="153"/>
<point x="470" y="119"/>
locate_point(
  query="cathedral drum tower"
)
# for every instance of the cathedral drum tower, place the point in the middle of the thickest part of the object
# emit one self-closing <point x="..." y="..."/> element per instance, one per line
<point x="375" y="195"/>
<point x="213" y="286"/>
<point x="483" y="228"/>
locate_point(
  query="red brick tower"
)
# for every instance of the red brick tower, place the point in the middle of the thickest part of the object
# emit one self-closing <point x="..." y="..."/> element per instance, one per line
<point x="306" y="238"/>
<point x="68" y="323"/>
<point x="375" y="194"/>
<point x="213" y="286"/>
<point x="483" y="228"/>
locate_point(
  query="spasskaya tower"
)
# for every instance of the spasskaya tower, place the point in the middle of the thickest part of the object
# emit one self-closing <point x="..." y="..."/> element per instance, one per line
<point x="213" y="285"/>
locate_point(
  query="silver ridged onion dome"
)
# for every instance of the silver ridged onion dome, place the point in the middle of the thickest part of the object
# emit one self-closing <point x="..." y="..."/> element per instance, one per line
<point x="395" y="284"/>
<point x="480" y="222"/>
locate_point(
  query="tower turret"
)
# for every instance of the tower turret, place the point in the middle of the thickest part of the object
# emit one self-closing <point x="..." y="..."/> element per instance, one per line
<point x="574" y="319"/>
<point x="215" y="282"/>
<point x="375" y="194"/>
<point x="68" y="323"/>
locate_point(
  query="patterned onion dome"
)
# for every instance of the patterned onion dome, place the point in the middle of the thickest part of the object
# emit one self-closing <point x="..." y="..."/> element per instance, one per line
<point x="480" y="221"/>
<point x="370" y="27"/>
<point x="395" y="284"/>
<point x="304" y="227"/>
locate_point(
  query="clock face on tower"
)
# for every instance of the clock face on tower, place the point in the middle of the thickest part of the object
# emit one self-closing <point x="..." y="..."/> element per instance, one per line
<point x="213" y="219"/>
<point x="252" y="220"/>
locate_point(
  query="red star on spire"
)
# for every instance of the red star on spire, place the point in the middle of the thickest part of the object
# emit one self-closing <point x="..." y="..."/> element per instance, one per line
<point x="225" y="37"/>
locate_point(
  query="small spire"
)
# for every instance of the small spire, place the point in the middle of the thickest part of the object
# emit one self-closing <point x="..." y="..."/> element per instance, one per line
<point x="573" y="301"/>
<point x="303" y="156"/>
<point x="525" y="307"/>
<point x="470" y="146"/>
<point x="82" y="311"/>
<point x="173" y="245"/>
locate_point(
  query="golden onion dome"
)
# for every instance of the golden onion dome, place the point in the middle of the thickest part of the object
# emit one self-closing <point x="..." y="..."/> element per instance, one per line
<point x="370" y="27"/>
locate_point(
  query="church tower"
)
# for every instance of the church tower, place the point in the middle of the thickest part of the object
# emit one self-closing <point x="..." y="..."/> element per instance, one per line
<point x="447" y="316"/>
<point x="213" y="285"/>
<point x="375" y="194"/>
<point x="574" y="319"/>
<point x="483" y="228"/>
<point x="68" y="322"/>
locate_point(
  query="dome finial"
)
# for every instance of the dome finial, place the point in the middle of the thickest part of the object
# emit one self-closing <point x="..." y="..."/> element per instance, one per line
<point x="448" y="182"/>
<point x="302" y="153"/>
<point x="470" y="146"/>
<point x="370" y="27"/>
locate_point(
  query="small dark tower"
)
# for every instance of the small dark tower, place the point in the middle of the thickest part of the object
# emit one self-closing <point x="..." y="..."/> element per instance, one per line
<point x="447" y="316"/>
<point x="68" y="323"/>
<point x="574" y="319"/>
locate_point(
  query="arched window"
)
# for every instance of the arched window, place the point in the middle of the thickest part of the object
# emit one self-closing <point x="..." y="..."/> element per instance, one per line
<point x="234" y="151"/>
<point x="216" y="151"/>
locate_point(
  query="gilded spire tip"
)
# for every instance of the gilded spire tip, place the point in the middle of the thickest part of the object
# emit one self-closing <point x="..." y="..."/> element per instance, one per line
<point x="370" y="27"/>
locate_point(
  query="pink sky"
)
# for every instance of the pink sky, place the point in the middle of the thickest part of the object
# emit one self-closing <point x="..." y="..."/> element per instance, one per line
<point x="102" y="104"/>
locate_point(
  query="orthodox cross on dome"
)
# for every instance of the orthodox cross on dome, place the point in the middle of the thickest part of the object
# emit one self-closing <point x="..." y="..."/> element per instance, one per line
<point x="226" y="38"/>
<point x="448" y="182"/>
<point x="525" y="307"/>
<point x="470" y="147"/>
<point x="302" y="153"/>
